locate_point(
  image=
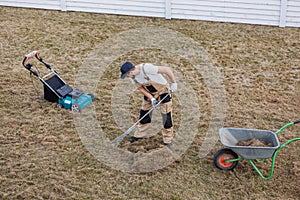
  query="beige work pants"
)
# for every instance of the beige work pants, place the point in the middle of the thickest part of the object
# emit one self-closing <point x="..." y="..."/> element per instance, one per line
<point x="142" y="130"/>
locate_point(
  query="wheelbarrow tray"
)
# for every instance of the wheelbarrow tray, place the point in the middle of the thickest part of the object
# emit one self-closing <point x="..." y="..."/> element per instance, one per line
<point x="231" y="136"/>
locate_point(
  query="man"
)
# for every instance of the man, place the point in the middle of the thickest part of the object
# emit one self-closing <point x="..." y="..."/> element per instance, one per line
<point x="152" y="84"/>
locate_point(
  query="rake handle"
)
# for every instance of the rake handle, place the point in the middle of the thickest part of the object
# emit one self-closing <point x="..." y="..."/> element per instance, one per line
<point x="119" y="138"/>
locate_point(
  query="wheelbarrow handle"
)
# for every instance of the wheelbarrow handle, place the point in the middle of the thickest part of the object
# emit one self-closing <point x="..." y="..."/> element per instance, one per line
<point x="287" y="125"/>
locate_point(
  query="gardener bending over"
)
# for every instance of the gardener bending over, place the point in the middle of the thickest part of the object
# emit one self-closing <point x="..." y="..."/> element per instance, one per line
<point x="151" y="83"/>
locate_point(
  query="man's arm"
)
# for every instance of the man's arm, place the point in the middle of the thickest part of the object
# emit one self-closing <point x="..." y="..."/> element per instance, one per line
<point x="147" y="94"/>
<point x="168" y="72"/>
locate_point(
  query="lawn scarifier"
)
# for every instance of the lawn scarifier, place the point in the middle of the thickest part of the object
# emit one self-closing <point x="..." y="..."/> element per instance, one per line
<point x="56" y="89"/>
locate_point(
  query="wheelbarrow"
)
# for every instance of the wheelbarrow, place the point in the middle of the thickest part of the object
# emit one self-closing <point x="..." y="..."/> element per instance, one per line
<point x="233" y="138"/>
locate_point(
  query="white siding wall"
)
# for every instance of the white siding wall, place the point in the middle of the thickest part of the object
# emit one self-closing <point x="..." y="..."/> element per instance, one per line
<point x="293" y="13"/>
<point x="151" y="8"/>
<point x="241" y="11"/>
<point x="43" y="4"/>
<point x="267" y="12"/>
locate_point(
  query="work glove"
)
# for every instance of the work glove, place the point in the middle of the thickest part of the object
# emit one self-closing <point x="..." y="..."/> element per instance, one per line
<point x="173" y="87"/>
<point x="154" y="102"/>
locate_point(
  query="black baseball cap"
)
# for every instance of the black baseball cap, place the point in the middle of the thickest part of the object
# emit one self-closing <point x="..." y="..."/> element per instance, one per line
<point x="126" y="67"/>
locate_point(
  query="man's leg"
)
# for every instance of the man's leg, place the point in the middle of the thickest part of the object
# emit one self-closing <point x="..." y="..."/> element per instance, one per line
<point x="166" y="111"/>
<point x="142" y="127"/>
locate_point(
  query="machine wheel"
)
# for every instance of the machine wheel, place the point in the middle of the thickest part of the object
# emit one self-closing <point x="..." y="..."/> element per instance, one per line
<point x="220" y="159"/>
<point x="93" y="96"/>
<point x="59" y="106"/>
<point x="75" y="107"/>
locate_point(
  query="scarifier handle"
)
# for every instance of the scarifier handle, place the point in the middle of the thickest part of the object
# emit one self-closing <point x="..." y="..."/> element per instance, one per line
<point x="29" y="57"/>
<point x="296" y="122"/>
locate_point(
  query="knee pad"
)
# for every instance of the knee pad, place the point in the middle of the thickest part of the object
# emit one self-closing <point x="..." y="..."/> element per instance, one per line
<point x="167" y="120"/>
<point x="147" y="118"/>
<point x="167" y="99"/>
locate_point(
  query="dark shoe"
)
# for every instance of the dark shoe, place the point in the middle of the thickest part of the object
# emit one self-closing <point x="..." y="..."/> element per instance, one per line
<point x="168" y="145"/>
<point x="133" y="139"/>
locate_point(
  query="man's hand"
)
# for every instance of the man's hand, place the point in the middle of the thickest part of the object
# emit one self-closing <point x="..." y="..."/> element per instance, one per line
<point x="173" y="87"/>
<point x="154" y="102"/>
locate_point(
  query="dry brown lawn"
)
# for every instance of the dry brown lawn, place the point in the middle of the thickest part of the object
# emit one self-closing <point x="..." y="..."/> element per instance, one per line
<point x="43" y="157"/>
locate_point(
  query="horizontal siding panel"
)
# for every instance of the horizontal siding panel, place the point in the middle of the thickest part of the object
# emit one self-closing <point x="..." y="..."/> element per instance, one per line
<point x="220" y="16"/>
<point x="115" y="1"/>
<point x="293" y="9"/>
<point x="226" y="11"/>
<point x="148" y="3"/>
<point x="42" y="4"/>
<point x="123" y="7"/>
<point x="264" y="2"/>
<point x="118" y="12"/>
<point x="294" y="3"/>
<point x="230" y="20"/>
<point x="293" y="24"/>
<point x="117" y="7"/>
<point x="238" y="4"/>
<point x="48" y="2"/>
<point x="239" y="11"/>
<point x="293" y="13"/>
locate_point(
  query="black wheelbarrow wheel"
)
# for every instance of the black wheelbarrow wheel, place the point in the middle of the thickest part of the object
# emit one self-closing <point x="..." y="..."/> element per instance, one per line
<point x="222" y="156"/>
